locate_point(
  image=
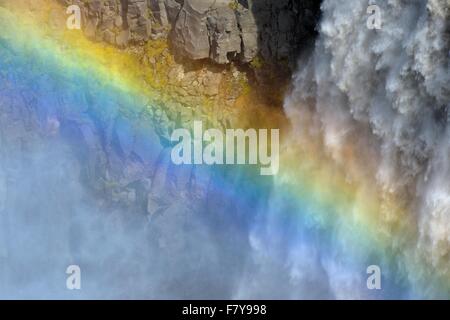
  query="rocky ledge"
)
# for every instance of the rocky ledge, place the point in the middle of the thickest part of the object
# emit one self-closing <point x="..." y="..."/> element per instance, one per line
<point x="218" y="30"/>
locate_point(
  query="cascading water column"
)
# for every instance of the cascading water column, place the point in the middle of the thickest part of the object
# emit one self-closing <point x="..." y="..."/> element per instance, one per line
<point x="378" y="101"/>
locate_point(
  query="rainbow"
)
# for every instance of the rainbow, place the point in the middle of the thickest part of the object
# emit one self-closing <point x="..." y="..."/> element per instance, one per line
<point x="311" y="200"/>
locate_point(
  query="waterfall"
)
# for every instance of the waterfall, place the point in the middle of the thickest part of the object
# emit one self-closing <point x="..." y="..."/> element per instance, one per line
<point x="364" y="175"/>
<point x="385" y="93"/>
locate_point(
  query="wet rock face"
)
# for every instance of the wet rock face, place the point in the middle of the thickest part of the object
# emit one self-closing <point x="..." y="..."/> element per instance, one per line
<point x="219" y="30"/>
<point x="284" y="26"/>
<point x="77" y="184"/>
<point x="117" y="22"/>
<point x="238" y="30"/>
<point x="207" y="29"/>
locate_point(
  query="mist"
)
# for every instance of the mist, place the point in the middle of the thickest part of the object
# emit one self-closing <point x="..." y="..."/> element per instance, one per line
<point x="84" y="187"/>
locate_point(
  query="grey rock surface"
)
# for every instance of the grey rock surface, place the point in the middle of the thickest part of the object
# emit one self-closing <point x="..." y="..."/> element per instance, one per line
<point x="219" y="30"/>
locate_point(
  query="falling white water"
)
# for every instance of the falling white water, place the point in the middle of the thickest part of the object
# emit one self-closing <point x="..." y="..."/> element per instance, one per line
<point x="386" y="89"/>
<point x="389" y="90"/>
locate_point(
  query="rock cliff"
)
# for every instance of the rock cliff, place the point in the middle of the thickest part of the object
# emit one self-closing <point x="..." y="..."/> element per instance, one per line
<point x="219" y="30"/>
